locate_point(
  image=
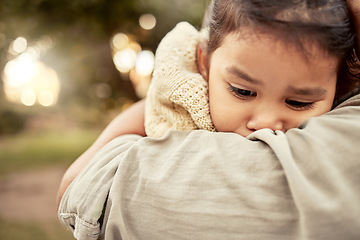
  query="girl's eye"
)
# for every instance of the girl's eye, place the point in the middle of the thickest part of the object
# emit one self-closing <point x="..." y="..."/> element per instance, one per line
<point x="297" y="105"/>
<point x="242" y="93"/>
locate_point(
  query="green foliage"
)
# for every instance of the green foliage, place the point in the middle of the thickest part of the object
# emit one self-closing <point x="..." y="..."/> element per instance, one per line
<point x="24" y="230"/>
<point x="11" y="122"/>
<point x="39" y="149"/>
<point x="80" y="31"/>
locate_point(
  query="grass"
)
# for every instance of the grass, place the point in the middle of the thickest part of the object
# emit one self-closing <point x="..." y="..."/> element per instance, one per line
<point x="30" y="150"/>
<point x="39" y="149"/>
<point x="15" y="230"/>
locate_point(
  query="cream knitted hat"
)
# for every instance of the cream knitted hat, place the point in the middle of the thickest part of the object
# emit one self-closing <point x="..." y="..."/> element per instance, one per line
<point x="178" y="95"/>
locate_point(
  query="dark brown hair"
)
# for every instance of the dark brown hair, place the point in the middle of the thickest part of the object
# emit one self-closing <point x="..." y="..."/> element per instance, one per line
<point x="327" y="23"/>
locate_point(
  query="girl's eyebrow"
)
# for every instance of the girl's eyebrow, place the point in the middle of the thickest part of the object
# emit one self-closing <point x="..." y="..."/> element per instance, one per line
<point x="237" y="72"/>
<point x="317" y="91"/>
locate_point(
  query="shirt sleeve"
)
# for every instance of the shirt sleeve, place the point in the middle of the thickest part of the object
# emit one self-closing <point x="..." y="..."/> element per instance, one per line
<point x="82" y="203"/>
<point x="302" y="184"/>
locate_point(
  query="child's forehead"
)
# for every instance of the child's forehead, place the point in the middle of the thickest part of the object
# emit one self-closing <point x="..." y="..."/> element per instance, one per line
<point x="257" y="37"/>
<point x="262" y="50"/>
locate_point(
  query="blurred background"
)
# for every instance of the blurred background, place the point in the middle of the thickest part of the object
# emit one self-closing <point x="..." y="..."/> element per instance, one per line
<point x="67" y="68"/>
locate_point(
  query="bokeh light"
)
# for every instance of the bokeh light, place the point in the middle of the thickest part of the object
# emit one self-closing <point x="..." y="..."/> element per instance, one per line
<point x="120" y="41"/>
<point x="46" y="98"/>
<point x="28" y="80"/>
<point x="18" y="45"/>
<point x="28" y="97"/>
<point x="125" y="59"/>
<point x="20" y="70"/>
<point x="145" y="63"/>
<point x="103" y="90"/>
<point x="140" y="83"/>
<point x="130" y="59"/>
<point x="147" y="21"/>
<point x="135" y="46"/>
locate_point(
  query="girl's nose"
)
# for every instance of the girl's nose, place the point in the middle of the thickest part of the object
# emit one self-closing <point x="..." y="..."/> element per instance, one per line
<point x="265" y="119"/>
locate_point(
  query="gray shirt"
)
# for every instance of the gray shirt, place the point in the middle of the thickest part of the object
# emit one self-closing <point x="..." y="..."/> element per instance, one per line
<point x="304" y="184"/>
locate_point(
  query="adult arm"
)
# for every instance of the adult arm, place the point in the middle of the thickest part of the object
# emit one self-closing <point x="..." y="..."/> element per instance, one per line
<point x="298" y="185"/>
<point x="131" y="121"/>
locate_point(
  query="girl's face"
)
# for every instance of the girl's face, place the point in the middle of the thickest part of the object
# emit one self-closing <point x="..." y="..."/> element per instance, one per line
<point x="258" y="82"/>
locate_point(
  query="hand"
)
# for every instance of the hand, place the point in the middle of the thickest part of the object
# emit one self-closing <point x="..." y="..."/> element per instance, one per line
<point x="354" y="7"/>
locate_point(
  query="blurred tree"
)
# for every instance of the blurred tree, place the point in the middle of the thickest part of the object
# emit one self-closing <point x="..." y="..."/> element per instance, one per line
<point x="81" y="31"/>
<point x="11" y="122"/>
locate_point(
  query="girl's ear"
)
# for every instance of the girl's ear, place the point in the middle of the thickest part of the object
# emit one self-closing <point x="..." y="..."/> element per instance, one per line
<point x="202" y="59"/>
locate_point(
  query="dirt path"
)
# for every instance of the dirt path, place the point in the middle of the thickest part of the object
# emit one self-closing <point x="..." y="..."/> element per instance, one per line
<point x="30" y="195"/>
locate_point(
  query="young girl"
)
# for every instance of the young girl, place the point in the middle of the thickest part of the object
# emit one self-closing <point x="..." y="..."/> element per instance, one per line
<point x="265" y="64"/>
<point x="256" y="64"/>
